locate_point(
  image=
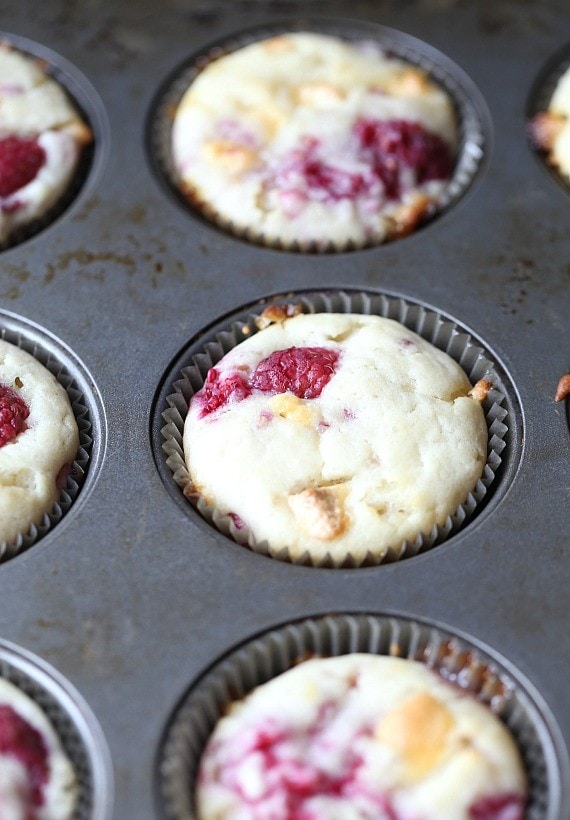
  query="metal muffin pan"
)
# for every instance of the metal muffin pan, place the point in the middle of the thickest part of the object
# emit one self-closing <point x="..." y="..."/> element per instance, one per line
<point x="130" y="598"/>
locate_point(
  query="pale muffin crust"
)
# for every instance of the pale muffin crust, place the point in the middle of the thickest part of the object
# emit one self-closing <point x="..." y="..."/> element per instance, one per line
<point x="59" y="793"/>
<point x="391" y="446"/>
<point x="31" y="463"/>
<point x="267" y="139"/>
<point x="550" y="129"/>
<point x="360" y="737"/>
<point x="33" y="105"/>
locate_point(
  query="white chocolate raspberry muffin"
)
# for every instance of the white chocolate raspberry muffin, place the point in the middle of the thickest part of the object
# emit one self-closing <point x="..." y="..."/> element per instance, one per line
<point x="335" y="435"/>
<point x="304" y="138"/>
<point x="41" y="139"/>
<point x="550" y="130"/>
<point x="360" y="737"/>
<point x="38" y="440"/>
<point x="37" y="781"/>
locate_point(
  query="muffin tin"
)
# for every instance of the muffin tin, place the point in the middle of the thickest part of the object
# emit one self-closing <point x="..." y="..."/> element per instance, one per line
<point x="129" y="593"/>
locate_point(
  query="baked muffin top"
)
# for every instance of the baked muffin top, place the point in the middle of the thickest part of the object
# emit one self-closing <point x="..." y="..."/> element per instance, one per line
<point x="38" y="440"/>
<point x="41" y="138"/>
<point x="550" y="129"/>
<point x="307" y="138"/>
<point x="335" y="434"/>
<point x="358" y="737"/>
<point x="37" y="780"/>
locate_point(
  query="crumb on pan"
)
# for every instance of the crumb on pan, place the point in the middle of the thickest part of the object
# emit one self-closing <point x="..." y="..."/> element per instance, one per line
<point x="563" y="388"/>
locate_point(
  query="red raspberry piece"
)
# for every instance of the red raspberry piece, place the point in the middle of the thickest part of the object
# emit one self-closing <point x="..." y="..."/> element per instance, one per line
<point x="303" y="371"/>
<point x="499" y="807"/>
<point x="218" y="391"/>
<point x="20" y="160"/>
<point x="13" y="414"/>
<point x="303" y="170"/>
<point x="20" y="740"/>
<point x="394" y="145"/>
<point x="334" y="182"/>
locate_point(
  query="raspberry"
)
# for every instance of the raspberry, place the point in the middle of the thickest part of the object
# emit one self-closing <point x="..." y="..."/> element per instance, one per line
<point x="20" y="160"/>
<point x="393" y="146"/>
<point x="13" y="414"/>
<point x="237" y="521"/>
<point x="20" y="740"/>
<point x="385" y="150"/>
<point x="323" y="182"/>
<point x="500" y="807"/>
<point x="303" y="371"/>
<point x="218" y="391"/>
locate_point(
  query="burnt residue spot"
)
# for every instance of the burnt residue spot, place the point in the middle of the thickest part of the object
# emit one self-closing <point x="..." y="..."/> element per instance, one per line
<point x="505" y="19"/>
<point x="136" y="215"/>
<point x="120" y="43"/>
<point x="87" y="259"/>
<point x="92" y="204"/>
<point x="50" y="273"/>
<point x="44" y="623"/>
<point x="15" y="275"/>
<point x="516" y="288"/>
<point x="205" y="17"/>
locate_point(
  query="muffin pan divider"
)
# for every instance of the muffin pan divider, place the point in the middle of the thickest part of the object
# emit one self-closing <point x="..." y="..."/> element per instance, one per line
<point x="130" y="598"/>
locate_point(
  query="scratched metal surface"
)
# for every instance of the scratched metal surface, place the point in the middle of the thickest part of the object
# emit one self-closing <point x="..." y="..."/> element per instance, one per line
<point x="128" y="597"/>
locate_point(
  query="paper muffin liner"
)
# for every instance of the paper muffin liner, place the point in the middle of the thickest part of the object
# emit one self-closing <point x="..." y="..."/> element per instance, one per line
<point x="189" y="374"/>
<point x="538" y="102"/>
<point x="459" y="660"/>
<point x="81" y="411"/>
<point x="74" y="724"/>
<point x="76" y="89"/>
<point x="473" y="121"/>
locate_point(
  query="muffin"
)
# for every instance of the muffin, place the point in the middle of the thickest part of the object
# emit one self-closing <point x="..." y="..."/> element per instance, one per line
<point x="39" y="438"/>
<point x="335" y="435"/>
<point x="360" y="736"/>
<point x="41" y="139"/>
<point x="37" y="781"/>
<point x="550" y="130"/>
<point x="306" y="139"/>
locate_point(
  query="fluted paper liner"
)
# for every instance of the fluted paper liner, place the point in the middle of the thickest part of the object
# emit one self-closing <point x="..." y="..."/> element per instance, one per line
<point x="473" y="120"/>
<point x="454" y="657"/>
<point x="442" y="333"/>
<point x="74" y="724"/>
<point x="75" y="479"/>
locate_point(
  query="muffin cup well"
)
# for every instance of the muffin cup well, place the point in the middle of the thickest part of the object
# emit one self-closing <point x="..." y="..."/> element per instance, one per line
<point x="538" y="102"/>
<point x="190" y="373"/>
<point x="89" y="107"/>
<point x="473" y="120"/>
<point x="457" y="658"/>
<point x="76" y="727"/>
<point x="41" y="349"/>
